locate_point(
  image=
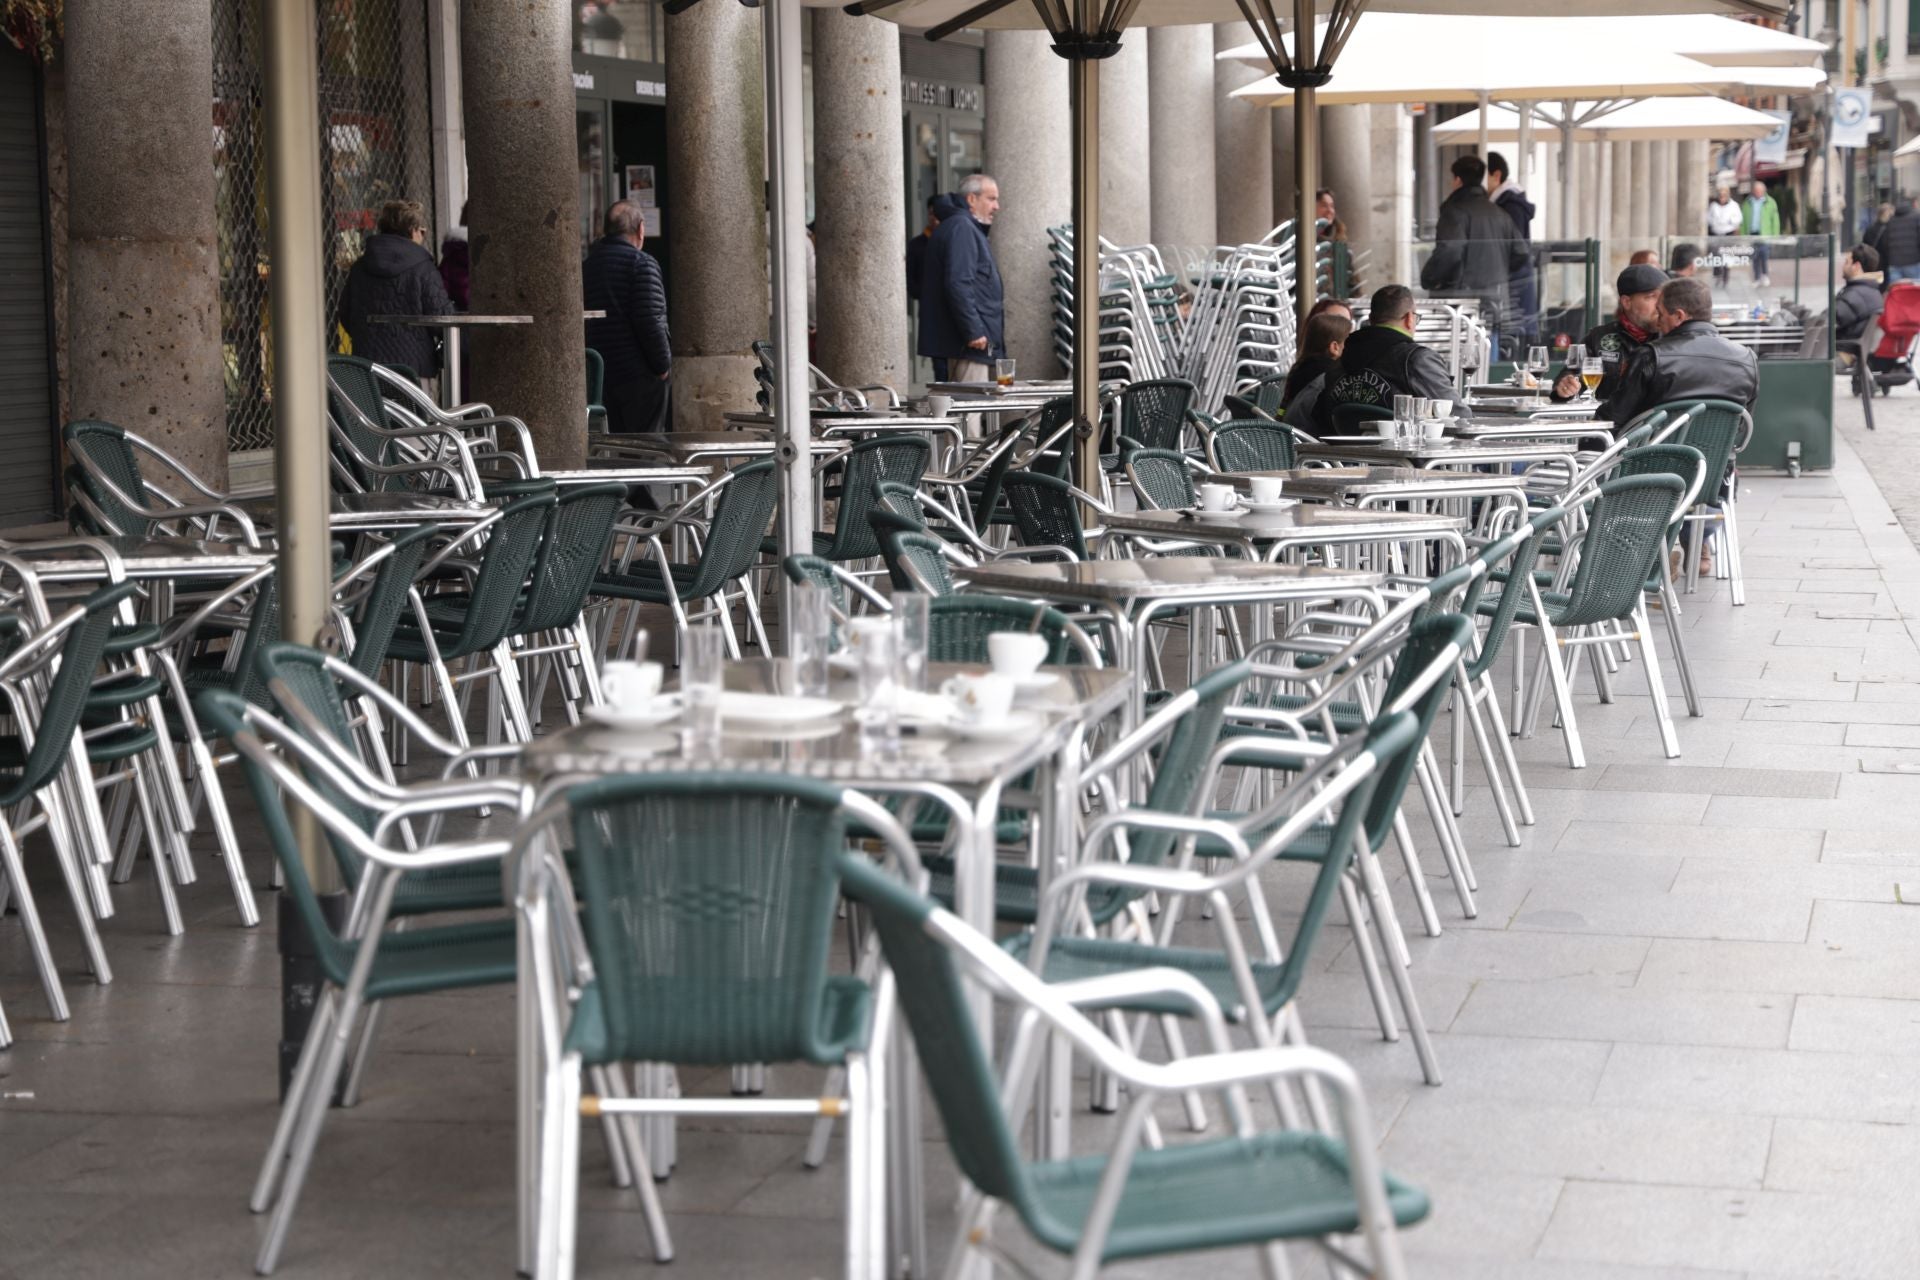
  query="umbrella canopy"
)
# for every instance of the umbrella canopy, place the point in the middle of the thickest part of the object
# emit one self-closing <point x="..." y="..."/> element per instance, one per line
<point x="1728" y="42"/>
<point x="1023" y="16"/>
<point x="1909" y="148"/>
<point x="1712" y="119"/>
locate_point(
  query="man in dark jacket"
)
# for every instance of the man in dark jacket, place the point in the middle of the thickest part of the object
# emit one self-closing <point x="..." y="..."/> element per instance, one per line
<point x="1633" y="326"/>
<point x="1522" y="320"/>
<point x="395" y="275"/>
<point x="917" y="247"/>
<point x="1382" y="361"/>
<point x="622" y="279"/>
<point x="1477" y="251"/>
<point x="962" y="307"/>
<point x="1860" y="300"/>
<point x="1899" y="243"/>
<point x="1689" y="361"/>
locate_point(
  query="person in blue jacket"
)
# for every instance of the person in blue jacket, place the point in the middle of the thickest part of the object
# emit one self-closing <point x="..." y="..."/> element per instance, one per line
<point x="962" y="304"/>
<point x="623" y="280"/>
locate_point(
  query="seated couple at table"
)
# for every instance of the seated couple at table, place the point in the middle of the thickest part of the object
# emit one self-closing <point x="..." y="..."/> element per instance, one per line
<point x="1661" y="346"/>
<point x="1367" y="366"/>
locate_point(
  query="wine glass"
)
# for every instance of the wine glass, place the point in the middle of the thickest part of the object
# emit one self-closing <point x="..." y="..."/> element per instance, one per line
<point x="1537" y="362"/>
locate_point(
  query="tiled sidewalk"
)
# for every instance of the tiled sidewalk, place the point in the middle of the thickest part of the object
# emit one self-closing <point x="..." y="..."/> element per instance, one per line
<point x="1682" y="1039"/>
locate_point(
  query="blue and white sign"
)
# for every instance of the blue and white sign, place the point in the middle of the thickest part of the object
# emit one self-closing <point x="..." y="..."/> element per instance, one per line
<point x="1772" y="149"/>
<point x="1852" y="117"/>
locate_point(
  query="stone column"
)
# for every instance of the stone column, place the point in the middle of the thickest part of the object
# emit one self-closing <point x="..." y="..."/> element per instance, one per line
<point x="142" y="244"/>
<point x="1640" y="178"/>
<point x="1281" y="121"/>
<point x="1690" y="191"/>
<point x="1180" y="121"/>
<point x="1030" y="153"/>
<point x="1603" y="200"/>
<point x="524" y="186"/>
<point x="1619" y="212"/>
<point x="1242" y="146"/>
<point x="1346" y="166"/>
<point x="1660" y="164"/>
<point x="718" y="299"/>
<point x="1126" y="173"/>
<point x="860" y="241"/>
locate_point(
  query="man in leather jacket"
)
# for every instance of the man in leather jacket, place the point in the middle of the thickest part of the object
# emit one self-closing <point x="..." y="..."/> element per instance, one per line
<point x="1477" y="250"/>
<point x="1631" y="328"/>
<point x="1382" y="361"/>
<point x="1690" y="360"/>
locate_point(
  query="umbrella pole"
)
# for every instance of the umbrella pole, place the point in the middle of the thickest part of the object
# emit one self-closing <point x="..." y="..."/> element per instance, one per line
<point x="1083" y="94"/>
<point x="1306" y="165"/>
<point x="1566" y="170"/>
<point x="1525" y="144"/>
<point x="792" y="423"/>
<point x="1486" y="125"/>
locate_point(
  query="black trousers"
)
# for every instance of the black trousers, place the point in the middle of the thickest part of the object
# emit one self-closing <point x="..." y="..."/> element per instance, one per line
<point x="636" y="406"/>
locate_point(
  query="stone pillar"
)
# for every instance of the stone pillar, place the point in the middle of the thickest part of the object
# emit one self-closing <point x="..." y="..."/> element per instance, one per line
<point x="1690" y="192"/>
<point x="1180" y="120"/>
<point x="524" y="186"/>
<point x="1281" y="121"/>
<point x="718" y="298"/>
<point x="1346" y="167"/>
<point x="1030" y="153"/>
<point x="1620" y="210"/>
<point x="1393" y="151"/>
<point x="1603" y="200"/>
<point x="1242" y="146"/>
<point x="1126" y="173"/>
<point x="143" y="254"/>
<point x="1660" y="164"/>
<point x="1640" y="179"/>
<point x="860" y="240"/>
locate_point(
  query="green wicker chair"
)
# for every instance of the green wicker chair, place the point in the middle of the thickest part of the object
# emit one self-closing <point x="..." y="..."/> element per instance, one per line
<point x="1688" y="463"/>
<point x="113" y="496"/>
<point x="422" y="961"/>
<point x="596" y="391"/>
<point x="1045" y="511"/>
<point x="1153" y="412"/>
<point x="896" y="459"/>
<point x="1252" y="445"/>
<point x="373" y="454"/>
<point x="1719" y="429"/>
<point x="1269" y="392"/>
<point x="708" y="905"/>
<point x="744" y="508"/>
<point x="1162" y="479"/>
<point x="915" y="561"/>
<point x="1249" y="1189"/>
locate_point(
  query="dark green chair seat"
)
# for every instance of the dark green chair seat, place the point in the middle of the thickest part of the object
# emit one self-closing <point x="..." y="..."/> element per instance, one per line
<point x="1071" y="959"/>
<point x="1212" y="1195"/>
<point x="845" y="1016"/>
<point x="1016" y="892"/>
<point x="643" y="582"/>
<point x="442" y="958"/>
<point x="127" y="637"/>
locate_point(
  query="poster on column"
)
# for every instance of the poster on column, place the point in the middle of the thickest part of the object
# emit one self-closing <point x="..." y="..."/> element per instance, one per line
<point x="1772" y="149"/>
<point x="1852" y="114"/>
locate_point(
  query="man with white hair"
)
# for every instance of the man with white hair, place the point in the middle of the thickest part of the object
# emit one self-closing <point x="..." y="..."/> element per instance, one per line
<point x="962" y="304"/>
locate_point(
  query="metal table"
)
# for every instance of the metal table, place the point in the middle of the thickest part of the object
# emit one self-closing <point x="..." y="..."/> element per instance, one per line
<point x="138" y="559"/>
<point x="1270" y="535"/>
<point x="1426" y="454"/>
<point x="366" y="512"/>
<point x="832" y="426"/>
<point x="1538" y="408"/>
<point x="451" y="325"/>
<point x="1372" y="486"/>
<point x="1482" y="429"/>
<point x="603" y="470"/>
<point x="684" y="448"/>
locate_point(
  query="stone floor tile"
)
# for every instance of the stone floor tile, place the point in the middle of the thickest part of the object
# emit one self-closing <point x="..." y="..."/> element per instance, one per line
<point x="1820" y="966"/>
<point x="1856" y="1024"/>
<point x="1598" y="1010"/>
<point x="1882" y="1088"/>
<point x="1874" y="1162"/>
<point x="1641" y="839"/>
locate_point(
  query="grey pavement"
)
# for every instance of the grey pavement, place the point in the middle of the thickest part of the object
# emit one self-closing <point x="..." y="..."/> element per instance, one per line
<point x="1681" y="1039"/>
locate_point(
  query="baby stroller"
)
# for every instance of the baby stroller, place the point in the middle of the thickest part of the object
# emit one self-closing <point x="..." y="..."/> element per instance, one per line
<point x="1890" y="337"/>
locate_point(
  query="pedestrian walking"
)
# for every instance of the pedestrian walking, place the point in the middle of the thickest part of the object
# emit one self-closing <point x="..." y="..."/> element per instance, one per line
<point x="1723" y="220"/>
<point x="395" y="275"/>
<point x="962" y="303"/>
<point x="1476" y="250"/>
<point x="622" y="279"/>
<point x="1523" y="293"/>
<point x="1760" y="216"/>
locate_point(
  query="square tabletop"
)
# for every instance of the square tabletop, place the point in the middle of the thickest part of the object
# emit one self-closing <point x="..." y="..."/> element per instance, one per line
<point x="688" y="446"/>
<point x="1360" y="484"/>
<point x="386" y="510"/>
<point x="63" y="559"/>
<point x="836" y="749"/>
<point x="1437" y="453"/>
<point x="1302" y="524"/>
<point x="1200" y="579"/>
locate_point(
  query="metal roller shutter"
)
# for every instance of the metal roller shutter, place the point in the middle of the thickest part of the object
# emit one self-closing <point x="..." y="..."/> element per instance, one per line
<point x="27" y="428"/>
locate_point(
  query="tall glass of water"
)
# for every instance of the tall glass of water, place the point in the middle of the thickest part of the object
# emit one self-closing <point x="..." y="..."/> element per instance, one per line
<point x="910" y="624"/>
<point x="877" y="713"/>
<point x="702" y="677"/>
<point x="811" y="638"/>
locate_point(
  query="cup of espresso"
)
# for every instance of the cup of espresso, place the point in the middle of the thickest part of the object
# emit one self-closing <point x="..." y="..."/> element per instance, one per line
<point x="1217" y="497"/>
<point x="1266" y="488"/>
<point x="979" y="699"/>
<point x="631" y="687"/>
<point x="939" y="406"/>
<point x="1016" y="654"/>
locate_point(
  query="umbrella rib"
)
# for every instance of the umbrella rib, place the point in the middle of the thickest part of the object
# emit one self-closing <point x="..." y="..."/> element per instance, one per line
<point x="1120" y="15"/>
<point x="866" y="8"/>
<point x="1340" y="25"/>
<point x="962" y="21"/>
<point x="1263" y="22"/>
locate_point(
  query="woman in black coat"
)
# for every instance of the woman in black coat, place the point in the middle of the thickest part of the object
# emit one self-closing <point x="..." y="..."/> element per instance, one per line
<point x="395" y="276"/>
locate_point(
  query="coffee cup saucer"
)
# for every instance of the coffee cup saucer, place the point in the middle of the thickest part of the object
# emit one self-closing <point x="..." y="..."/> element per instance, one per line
<point x="1034" y="682"/>
<point x="1016" y="724"/>
<point x="662" y="708"/>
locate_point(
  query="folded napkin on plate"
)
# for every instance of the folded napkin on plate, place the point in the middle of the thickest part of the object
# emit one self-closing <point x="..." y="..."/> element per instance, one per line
<point x="930" y="708"/>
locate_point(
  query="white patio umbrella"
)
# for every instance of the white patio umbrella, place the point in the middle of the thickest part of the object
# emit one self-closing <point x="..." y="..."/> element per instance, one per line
<point x="1086" y="31"/>
<point x="1907" y="149"/>
<point x="1649" y="120"/>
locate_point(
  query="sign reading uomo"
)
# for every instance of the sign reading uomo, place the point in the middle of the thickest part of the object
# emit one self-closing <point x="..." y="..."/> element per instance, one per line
<point x="939" y="93"/>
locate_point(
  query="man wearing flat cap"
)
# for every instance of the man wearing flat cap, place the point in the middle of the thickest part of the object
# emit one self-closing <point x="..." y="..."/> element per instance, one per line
<point x="1633" y="326"/>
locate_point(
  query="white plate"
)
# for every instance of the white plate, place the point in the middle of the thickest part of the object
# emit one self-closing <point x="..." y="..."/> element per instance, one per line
<point x="663" y="708"/>
<point x="774" y="709"/>
<point x="1036" y="682"/>
<point x="1280" y="504"/>
<point x="1018" y="724"/>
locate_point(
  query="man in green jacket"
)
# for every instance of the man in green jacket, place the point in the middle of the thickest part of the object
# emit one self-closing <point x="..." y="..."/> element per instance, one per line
<point x="1760" y="216"/>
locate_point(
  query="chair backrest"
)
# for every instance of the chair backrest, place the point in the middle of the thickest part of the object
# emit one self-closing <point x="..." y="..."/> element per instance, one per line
<point x="1161" y="478"/>
<point x="740" y="521"/>
<point x="572" y="548"/>
<point x="263" y="628"/>
<point x="1669" y="459"/>
<point x="66" y="694"/>
<point x="385" y="602"/>
<point x="915" y="561"/>
<point x="896" y="507"/>
<point x="512" y="543"/>
<point x="816" y="571"/>
<point x="301" y="673"/>
<point x="1352" y="419"/>
<point x="708" y="902"/>
<point x="1055" y="414"/>
<point x="893" y="459"/>
<point x="357" y="405"/>
<point x="1252" y="445"/>
<point x="1714" y="427"/>
<point x="1242" y="409"/>
<point x="958" y="627"/>
<point x="987" y="505"/>
<point x="1429" y="641"/>
<point x="1515" y="555"/>
<point x="1044" y="512"/>
<point x="1154" y="412"/>
<point x="1270" y="393"/>
<point x="105" y="447"/>
<point x="1626" y="532"/>
<point x="596" y="377"/>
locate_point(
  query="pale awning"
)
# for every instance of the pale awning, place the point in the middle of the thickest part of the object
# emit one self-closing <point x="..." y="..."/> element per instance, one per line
<point x="1654" y="119"/>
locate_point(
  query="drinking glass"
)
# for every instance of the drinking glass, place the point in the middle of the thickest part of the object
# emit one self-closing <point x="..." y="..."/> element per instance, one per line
<point x="910" y="629"/>
<point x="1537" y="360"/>
<point x="1003" y="372"/>
<point x="1402" y="408"/>
<point x="876" y="713"/>
<point x="702" y="677"/>
<point x="1592" y="370"/>
<point x="811" y="638"/>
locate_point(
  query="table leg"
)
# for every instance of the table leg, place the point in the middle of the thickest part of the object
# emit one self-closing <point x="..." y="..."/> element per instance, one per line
<point x="1060" y="792"/>
<point x="526" y="1098"/>
<point x="450" y="375"/>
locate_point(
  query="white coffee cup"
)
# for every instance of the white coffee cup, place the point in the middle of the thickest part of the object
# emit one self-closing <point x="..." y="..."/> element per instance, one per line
<point x="979" y="699"/>
<point x="939" y="406"/>
<point x="1016" y="654"/>
<point x="1217" y="497"/>
<point x="1386" y="428"/>
<point x="859" y="631"/>
<point x="1435" y="428"/>
<point x="631" y="686"/>
<point x="1266" y="488"/>
<point x="1440" y="408"/>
